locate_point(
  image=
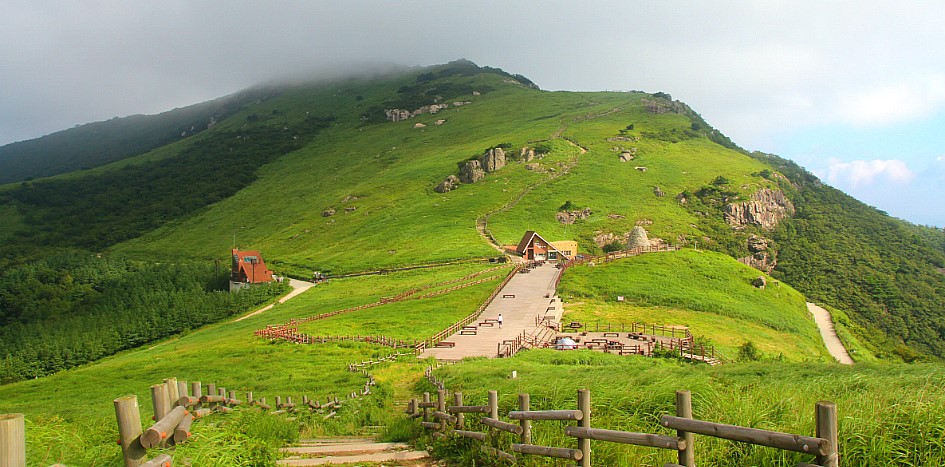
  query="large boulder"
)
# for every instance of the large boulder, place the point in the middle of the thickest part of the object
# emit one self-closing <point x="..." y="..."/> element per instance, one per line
<point x="471" y="172"/>
<point x="493" y="160"/>
<point x="527" y="154"/>
<point x="447" y="185"/>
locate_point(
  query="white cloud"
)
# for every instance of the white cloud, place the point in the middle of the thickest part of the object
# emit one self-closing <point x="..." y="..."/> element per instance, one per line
<point x="901" y="102"/>
<point x="860" y="173"/>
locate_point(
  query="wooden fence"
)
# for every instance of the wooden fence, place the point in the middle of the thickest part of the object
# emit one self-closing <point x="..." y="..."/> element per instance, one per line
<point x="450" y="419"/>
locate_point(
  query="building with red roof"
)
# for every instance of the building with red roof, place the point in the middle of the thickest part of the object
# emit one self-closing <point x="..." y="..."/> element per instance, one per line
<point x="248" y="267"/>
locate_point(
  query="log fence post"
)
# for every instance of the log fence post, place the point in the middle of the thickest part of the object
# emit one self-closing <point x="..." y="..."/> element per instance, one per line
<point x="426" y="411"/>
<point x="129" y="430"/>
<point x="584" y="444"/>
<point x="524" y="404"/>
<point x="826" y="416"/>
<point x="181" y="388"/>
<point x="12" y="440"/>
<point x="494" y="405"/>
<point x="441" y="406"/>
<point x="196" y="391"/>
<point x="173" y="393"/>
<point x="687" y="456"/>
<point x="460" y="417"/>
<point x="159" y="401"/>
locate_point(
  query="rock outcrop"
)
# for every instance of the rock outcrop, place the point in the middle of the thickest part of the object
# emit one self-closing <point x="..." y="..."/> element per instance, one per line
<point x="766" y="208"/>
<point x="396" y="115"/>
<point x="568" y="217"/>
<point x="761" y="258"/>
<point x="664" y="106"/>
<point x="527" y="154"/>
<point x="447" y="185"/>
<point x="638" y="238"/>
<point x="471" y="172"/>
<point x="493" y="159"/>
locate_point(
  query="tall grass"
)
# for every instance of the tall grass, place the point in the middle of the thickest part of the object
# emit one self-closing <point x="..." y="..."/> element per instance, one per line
<point x="888" y="415"/>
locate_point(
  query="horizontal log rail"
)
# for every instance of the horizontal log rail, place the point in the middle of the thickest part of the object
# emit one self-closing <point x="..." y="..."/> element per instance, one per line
<point x="771" y="439"/>
<point x="560" y="453"/>
<point x="468" y="409"/>
<point x="546" y="415"/>
<point x="500" y="425"/>
<point x="624" y="437"/>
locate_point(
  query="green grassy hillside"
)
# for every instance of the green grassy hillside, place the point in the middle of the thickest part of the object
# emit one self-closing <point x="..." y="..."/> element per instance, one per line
<point x="710" y="293"/>
<point x="265" y="177"/>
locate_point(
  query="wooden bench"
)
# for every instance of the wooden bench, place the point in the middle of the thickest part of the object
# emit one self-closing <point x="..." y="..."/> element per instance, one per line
<point x="508" y="296"/>
<point x="611" y="334"/>
<point x="574" y="325"/>
<point x="446" y="344"/>
<point x="486" y="323"/>
<point x="467" y="332"/>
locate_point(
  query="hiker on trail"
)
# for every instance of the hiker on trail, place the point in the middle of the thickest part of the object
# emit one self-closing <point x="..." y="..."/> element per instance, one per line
<point x="500" y="320"/>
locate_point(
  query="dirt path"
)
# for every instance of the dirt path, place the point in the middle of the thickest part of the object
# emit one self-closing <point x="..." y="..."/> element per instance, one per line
<point x="347" y="451"/>
<point x="297" y="288"/>
<point x="834" y="346"/>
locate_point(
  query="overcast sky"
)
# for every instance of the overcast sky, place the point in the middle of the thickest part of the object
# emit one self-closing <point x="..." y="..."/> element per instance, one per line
<point x="853" y="91"/>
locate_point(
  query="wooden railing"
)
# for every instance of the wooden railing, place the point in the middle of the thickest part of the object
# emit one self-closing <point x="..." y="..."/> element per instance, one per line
<point x="451" y="419"/>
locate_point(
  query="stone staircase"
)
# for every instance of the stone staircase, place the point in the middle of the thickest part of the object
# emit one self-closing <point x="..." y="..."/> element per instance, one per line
<point x="352" y="451"/>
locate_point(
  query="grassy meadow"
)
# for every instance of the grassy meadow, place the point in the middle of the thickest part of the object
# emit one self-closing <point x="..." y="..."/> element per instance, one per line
<point x="889" y="415"/>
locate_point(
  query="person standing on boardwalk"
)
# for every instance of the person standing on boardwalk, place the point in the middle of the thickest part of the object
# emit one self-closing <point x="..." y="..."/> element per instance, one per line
<point x="500" y="320"/>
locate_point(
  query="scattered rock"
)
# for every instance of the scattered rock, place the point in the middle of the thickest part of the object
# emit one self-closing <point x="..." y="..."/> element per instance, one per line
<point x="644" y="222"/>
<point x="328" y="212"/>
<point x="658" y="192"/>
<point x="476" y="93"/>
<point x="681" y="198"/>
<point x="625" y="139"/>
<point x="351" y="208"/>
<point x="641" y="169"/>
<point x="527" y="154"/>
<point x="626" y="156"/>
<point x="419" y="125"/>
<point x="439" y="122"/>
<point x="638" y="238"/>
<point x="615" y="216"/>
<point x="493" y="160"/>
<point x="760" y="282"/>
<point x="471" y="172"/>
<point x="606" y="238"/>
<point x="568" y="217"/>
<point x="396" y="115"/>
<point x="766" y="208"/>
<point x="532" y="166"/>
<point x="450" y="184"/>
<point x="349" y="198"/>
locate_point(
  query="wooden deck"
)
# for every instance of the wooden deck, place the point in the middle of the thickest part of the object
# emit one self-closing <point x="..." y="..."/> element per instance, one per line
<point x="524" y="302"/>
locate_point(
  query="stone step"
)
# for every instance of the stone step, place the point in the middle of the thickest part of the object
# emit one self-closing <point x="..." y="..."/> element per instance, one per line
<point x="361" y="458"/>
<point x="337" y="449"/>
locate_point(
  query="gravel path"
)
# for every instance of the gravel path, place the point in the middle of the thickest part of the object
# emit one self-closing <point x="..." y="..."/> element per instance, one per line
<point x="297" y="288"/>
<point x="834" y="346"/>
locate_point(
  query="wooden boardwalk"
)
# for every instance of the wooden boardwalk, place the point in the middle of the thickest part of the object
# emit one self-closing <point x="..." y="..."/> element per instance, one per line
<point x="523" y="302"/>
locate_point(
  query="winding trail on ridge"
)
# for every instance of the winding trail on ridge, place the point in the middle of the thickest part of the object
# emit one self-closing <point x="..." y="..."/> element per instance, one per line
<point x="482" y="222"/>
<point x="834" y="346"/>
